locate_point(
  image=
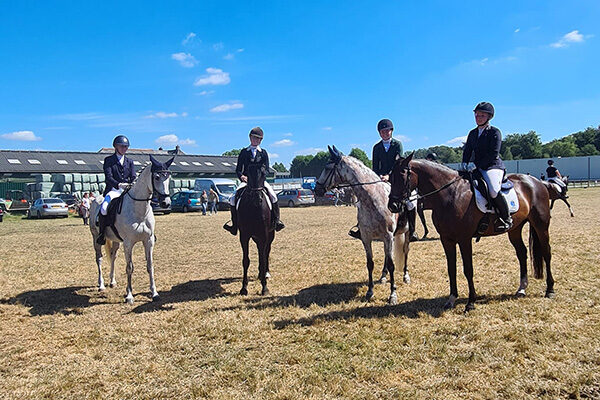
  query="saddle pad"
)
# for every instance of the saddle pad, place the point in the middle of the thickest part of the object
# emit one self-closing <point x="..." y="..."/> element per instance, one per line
<point x="411" y="205"/>
<point x="267" y="197"/>
<point x="511" y="199"/>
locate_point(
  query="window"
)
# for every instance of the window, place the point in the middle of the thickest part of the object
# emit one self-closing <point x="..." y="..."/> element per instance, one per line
<point x="13" y="161"/>
<point x="196" y="163"/>
<point x="226" y="164"/>
<point x="209" y="163"/>
<point x="137" y="163"/>
<point x="183" y="163"/>
<point x="80" y="162"/>
<point x="34" y="161"/>
<point x="62" y="162"/>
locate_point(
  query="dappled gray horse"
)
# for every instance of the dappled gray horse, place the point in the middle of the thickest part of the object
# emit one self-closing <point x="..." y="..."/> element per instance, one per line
<point x="374" y="218"/>
<point x="134" y="223"/>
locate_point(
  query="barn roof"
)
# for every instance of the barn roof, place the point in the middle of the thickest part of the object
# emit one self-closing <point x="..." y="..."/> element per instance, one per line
<point x="28" y="162"/>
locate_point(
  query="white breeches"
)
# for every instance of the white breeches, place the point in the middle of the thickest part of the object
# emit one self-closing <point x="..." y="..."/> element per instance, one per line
<point x="113" y="194"/>
<point x="270" y="190"/>
<point x="411" y="205"/>
<point x="557" y="180"/>
<point x="493" y="178"/>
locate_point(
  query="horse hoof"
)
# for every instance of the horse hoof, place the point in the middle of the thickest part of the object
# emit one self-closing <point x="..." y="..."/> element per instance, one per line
<point x="112" y="285"/>
<point x="267" y="275"/>
<point x="155" y="298"/>
<point x="129" y="300"/>
<point x="101" y="288"/>
<point x="407" y="279"/>
<point x="520" y="293"/>
<point x="264" y="292"/>
<point x="550" y="295"/>
<point x="393" y="300"/>
<point x="244" y="292"/>
<point x="369" y="295"/>
<point x="382" y="280"/>
<point x="469" y="307"/>
<point x="449" y="305"/>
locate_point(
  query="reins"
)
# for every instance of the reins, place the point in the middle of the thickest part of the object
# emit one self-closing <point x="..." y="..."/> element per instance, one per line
<point x="419" y="196"/>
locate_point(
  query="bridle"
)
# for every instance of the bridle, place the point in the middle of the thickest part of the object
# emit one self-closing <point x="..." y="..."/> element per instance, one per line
<point x="164" y="174"/>
<point x="333" y="172"/>
<point x="407" y="198"/>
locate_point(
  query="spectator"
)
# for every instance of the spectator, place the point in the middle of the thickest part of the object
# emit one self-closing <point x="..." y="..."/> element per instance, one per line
<point x="204" y="200"/>
<point x="213" y="200"/>
<point x="336" y="194"/>
<point x="85" y="209"/>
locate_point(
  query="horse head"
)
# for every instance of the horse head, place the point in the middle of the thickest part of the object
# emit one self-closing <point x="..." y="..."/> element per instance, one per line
<point x="161" y="177"/>
<point x="400" y="180"/>
<point x="256" y="177"/>
<point x="329" y="178"/>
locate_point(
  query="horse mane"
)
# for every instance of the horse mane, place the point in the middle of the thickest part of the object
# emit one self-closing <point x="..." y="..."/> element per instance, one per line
<point x="441" y="168"/>
<point x="361" y="167"/>
<point x="139" y="174"/>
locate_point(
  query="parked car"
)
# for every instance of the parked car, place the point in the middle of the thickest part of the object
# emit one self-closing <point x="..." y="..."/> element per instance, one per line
<point x="295" y="197"/>
<point x="1" y="214"/>
<point x="186" y="200"/>
<point x="67" y="198"/>
<point x="48" y="207"/>
<point x="224" y="187"/>
<point x="157" y="208"/>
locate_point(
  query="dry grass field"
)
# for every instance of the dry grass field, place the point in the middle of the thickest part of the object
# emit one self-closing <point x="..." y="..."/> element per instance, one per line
<point x="314" y="337"/>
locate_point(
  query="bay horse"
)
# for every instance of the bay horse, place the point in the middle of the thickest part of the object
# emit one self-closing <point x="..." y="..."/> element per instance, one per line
<point x="456" y="218"/>
<point x="255" y="222"/>
<point x="556" y="193"/>
<point x="134" y="222"/>
<point x="375" y="220"/>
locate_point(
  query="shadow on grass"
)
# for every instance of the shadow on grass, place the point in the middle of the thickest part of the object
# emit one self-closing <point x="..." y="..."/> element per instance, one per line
<point x="186" y="292"/>
<point x="52" y="301"/>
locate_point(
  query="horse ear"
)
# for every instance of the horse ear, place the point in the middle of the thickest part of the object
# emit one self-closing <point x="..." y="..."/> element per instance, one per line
<point x="168" y="163"/>
<point x="154" y="161"/>
<point x="409" y="158"/>
<point x="338" y="154"/>
<point x="331" y="152"/>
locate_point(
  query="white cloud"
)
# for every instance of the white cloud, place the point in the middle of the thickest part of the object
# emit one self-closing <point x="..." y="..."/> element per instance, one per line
<point x="172" y="140"/>
<point x="229" y="56"/>
<point x="288" y="134"/>
<point x="457" y="141"/>
<point x="80" y="116"/>
<point x="218" y="46"/>
<point x="310" y="150"/>
<point x="517" y="30"/>
<point x="205" y="92"/>
<point x="215" y="77"/>
<point x="190" y="36"/>
<point x="162" y="115"/>
<point x="327" y="128"/>
<point x="402" y="138"/>
<point x="227" y="107"/>
<point x="283" y="143"/>
<point x="185" y="59"/>
<point x="240" y="50"/>
<point x="569" y="38"/>
<point x="25" y="136"/>
<point x="273" y="155"/>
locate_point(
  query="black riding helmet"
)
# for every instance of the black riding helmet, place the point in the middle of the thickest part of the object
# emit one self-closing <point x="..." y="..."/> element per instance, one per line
<point x="431" y="156"/>
<point x="485" y="107"/>
<point x="384" y="124"/>
<point x="257" y="131"/>
<point x="121" y="140"/>
<point x="550" y="162"/>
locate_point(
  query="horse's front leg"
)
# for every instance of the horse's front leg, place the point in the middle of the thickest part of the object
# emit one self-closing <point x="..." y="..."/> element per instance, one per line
<point x="450" y="250"/>
<point x="389" y="264"/>
<point x="517" y="242"/>
<point x="114" y="247"/>
<point x="244" y="240"/>
<point x="148" y="247"/>
<point x="263" y="265"/>
<point x="98" y="249"/>
<point x="128" y="248"/>
<point x="370" y="264"/>
<point x="466" y="252"/>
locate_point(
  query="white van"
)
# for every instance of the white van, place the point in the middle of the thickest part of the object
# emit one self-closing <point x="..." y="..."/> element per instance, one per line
<point x="224" y="187"/>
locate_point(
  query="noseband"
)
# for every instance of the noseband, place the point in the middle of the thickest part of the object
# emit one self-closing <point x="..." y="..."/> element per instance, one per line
<point x="160" y="196"/>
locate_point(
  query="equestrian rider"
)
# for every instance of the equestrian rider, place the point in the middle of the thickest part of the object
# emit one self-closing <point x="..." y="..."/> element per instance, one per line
<point x="431" y="157"/>
<point x="384" y="156"/>
<point x="119" y="173"/>
<point x="483" y="147"/>
<point x="554" y="176"/>
<point x="256" y="156"/>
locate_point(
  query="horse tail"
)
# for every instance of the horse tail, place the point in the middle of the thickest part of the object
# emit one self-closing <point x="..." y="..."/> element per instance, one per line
<point x="535" y="253"/>
<point x="401" y="241"/>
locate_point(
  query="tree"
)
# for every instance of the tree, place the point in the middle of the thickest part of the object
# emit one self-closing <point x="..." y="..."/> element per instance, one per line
<point x="279" y="167"/>
<point x="299" y="164"/>
<point x="233" y="152"/>
<point x="362" y="156"/>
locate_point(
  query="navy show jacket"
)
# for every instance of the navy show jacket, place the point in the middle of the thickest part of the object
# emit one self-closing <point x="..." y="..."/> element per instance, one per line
<point x="484" y="149"/>
<point x="115" y="173"/>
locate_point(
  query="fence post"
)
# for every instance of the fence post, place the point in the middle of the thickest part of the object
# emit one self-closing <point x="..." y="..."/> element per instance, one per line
<point x="589" y="172"/>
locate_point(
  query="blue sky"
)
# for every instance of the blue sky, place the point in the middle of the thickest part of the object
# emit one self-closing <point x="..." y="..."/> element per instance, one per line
<point x="310" y="73"/>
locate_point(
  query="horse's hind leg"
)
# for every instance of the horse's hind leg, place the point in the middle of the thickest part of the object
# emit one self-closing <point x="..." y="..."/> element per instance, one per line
<point x="114" y="247"/>
<point x="370" y="265"/>
<point x="450" y="250"/>
<point x="128" y="247"/>
<point x="263" y="265"/>
<point x="466" y="252"/>
<point x="544" y="238"/>
<point x="568" y="205"/>
<point x="389" y="263"/>
<point x="245" y="263"/>
<point x="148" y="246"/>
<point x="517" y="241"/>
<point x="98" y="249"/>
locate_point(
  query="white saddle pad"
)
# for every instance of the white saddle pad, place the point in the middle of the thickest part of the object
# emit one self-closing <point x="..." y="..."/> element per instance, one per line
<point x="237" y="204"/>
<point x="511" y="199"/>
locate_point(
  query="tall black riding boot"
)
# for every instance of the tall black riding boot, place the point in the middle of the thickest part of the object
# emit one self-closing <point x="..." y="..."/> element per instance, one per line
<point x="412" y="224"/>
<point x="233" y="228"/>
<point x="503" y="213"/>
<point x="101" y="239"/>
<point x="278" y="224"/>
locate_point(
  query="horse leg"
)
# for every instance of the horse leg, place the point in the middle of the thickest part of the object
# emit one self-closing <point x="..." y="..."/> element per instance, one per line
<point x="389" y="264"/>
<point x="98" y="249"/>
<point x="244" y="240"/>
<point x="466" y="252"/>
<point x="270" y="239"/>
<point x="262" y="265"/>
<point x="114" y="247"/>
<point x="406" y="277"/>
<point x="128" y="247"/>
<point x="422" y="218"/>
<point x="370" y="264"/>
<point x="517" y="242"/>
<point x="552" y="203"/>
<point x="384" y="272"/>
<point x="544" y="238"/>
<point x="148" y="247"/>
<point x="450" y="250"/>
<point x="568" y="205"/>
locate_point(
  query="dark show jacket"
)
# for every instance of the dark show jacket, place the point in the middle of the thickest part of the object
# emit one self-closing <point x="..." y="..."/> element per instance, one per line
<point x="484" y="150"/>
<point x="383" y="161"/>
<point x="245" y="160"/>
<point x="551" y="172"/>
<point x="116" y="173"/>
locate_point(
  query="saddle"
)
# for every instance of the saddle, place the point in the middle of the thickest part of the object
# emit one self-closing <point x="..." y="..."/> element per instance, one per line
<point x="242" y="192"/>
<point x="114" y="208"/>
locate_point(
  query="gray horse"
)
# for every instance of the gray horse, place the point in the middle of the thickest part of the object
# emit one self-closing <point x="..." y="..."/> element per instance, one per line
<point x="374" y="218"/>
<point x="134" y="223"/>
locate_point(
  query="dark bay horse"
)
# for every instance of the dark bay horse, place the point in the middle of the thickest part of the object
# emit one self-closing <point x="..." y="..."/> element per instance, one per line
<point x="456" y="218"/>
<point x="255" y="222"/>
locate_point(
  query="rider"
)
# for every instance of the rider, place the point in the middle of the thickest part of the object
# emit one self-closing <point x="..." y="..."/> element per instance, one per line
<point x="384" y="156"/>
<point x="256" y="156"/>
<point x="483" y="147"/>
<point x="554" y="176"/>
<point x="431" y="157"/>
<point x="119" y="172"/>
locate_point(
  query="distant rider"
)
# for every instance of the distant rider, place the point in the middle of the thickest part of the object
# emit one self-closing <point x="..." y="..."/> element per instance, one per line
<point x="483" y="147"/>
<point x="255" y="156"/>
<point x="554" y="176"/>
<point x="119" y="173"/>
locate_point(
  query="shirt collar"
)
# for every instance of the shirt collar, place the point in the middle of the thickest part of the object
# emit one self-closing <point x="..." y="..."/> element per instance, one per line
<point x="252" y="147"/>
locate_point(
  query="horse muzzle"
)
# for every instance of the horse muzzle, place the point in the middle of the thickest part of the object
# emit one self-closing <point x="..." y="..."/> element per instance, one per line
<point x="395" y="205"/>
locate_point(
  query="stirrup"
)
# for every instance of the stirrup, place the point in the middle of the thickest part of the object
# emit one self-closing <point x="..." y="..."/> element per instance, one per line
<point x="279" y="225"/>
<point x="355" y="233"/>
